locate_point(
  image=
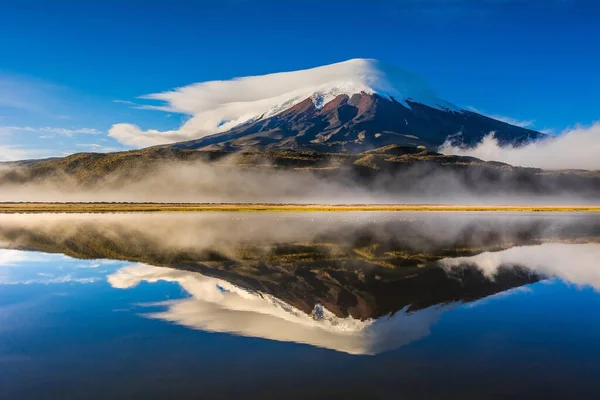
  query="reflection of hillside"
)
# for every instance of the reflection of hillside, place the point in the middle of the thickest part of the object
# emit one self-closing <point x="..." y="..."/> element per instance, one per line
<point x="364" y="266"/>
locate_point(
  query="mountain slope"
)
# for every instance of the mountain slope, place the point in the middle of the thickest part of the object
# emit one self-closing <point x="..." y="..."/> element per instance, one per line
<point x="360" y="122"/>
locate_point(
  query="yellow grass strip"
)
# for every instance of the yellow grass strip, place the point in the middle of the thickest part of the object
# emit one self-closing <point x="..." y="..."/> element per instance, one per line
<point x="206" y="207"/>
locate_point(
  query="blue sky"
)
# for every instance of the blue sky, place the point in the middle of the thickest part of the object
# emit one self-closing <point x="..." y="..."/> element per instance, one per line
<point x="64" y="63"/>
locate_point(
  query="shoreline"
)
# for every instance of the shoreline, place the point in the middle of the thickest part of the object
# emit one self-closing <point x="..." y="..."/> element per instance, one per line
<point x="11" y="208"/>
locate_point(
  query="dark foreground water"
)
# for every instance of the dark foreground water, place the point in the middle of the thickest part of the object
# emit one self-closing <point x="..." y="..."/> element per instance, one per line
<point x="369" y="305"/>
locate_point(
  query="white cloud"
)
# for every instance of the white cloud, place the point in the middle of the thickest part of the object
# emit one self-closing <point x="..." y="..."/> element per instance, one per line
<point x="10" y="153"/>
<point x="132" y="135"/>
<point x="217" y="106"/>
<point x="15" y="153"/>
<point x="577" y="148"/>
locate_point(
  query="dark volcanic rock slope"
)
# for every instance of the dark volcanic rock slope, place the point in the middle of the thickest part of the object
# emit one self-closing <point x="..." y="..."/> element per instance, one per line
<point x="358" y="123"/>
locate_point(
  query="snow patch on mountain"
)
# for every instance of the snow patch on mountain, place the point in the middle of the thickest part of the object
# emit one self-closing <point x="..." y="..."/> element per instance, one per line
<point x="217" y="106"/>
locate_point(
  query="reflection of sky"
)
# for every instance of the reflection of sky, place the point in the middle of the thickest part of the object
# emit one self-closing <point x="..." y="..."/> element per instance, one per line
<point x="23" y="267"/>
<point x="88" y="339"/>
<point x="214" y="305"/>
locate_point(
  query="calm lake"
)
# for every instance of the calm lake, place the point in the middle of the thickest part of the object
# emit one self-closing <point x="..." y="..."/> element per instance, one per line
<point x="308" y="305"/>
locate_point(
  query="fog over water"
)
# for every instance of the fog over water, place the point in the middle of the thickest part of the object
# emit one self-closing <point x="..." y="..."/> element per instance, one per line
<point x="226" y="231"/>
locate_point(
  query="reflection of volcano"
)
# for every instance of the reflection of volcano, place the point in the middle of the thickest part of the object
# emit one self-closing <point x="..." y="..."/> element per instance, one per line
<point x="218" y="305"/>
<point x="361" y="265"/>
<point x="364" y="292"/>
<point x="358" y="283"/>
<point x="215" y="305"/>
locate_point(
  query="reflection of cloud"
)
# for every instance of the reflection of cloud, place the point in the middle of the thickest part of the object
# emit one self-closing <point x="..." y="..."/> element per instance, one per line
<point x="26" y="267"/>
<point x="48" y="281"/>
<point x="575" y="263"/>
<point x="216" y="305"/>
<point x="11" y="258"/>
<point x="501" y="295"/>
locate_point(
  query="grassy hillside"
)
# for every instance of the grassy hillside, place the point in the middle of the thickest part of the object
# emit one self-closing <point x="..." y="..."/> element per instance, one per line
<point x="389" y="169"/>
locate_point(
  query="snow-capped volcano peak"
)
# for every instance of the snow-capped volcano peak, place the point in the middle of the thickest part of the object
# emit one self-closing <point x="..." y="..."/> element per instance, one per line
<point x="375" y="77"/>
<point x="217" y="106"/>
<point x="359" y="75"/>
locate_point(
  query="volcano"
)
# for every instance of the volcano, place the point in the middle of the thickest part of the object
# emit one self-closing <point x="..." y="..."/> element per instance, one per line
<point x="352" y="106"/>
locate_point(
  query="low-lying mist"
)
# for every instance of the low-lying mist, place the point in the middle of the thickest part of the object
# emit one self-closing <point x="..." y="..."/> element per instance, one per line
<point x="577" y="148"/>
<point x="223" y="182"/>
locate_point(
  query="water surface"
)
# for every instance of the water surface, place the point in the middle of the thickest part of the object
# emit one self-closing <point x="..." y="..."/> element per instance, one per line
<point x="367" y="305"/>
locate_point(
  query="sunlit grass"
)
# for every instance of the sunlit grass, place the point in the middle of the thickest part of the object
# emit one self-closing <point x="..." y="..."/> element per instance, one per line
<point x="204" y="207"/>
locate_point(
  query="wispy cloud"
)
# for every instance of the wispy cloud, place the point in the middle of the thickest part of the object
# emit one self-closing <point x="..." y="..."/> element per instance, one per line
<point x="127" y="102"/>
<point x="91" y="147"/>
<point x="522" y="123"/>
<point x="11" y="258"/>
<point x="15" y="152"/>
<point x="30" y="95"/>
<point x="53" y="130"/>
<point x="24" y="267"/>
